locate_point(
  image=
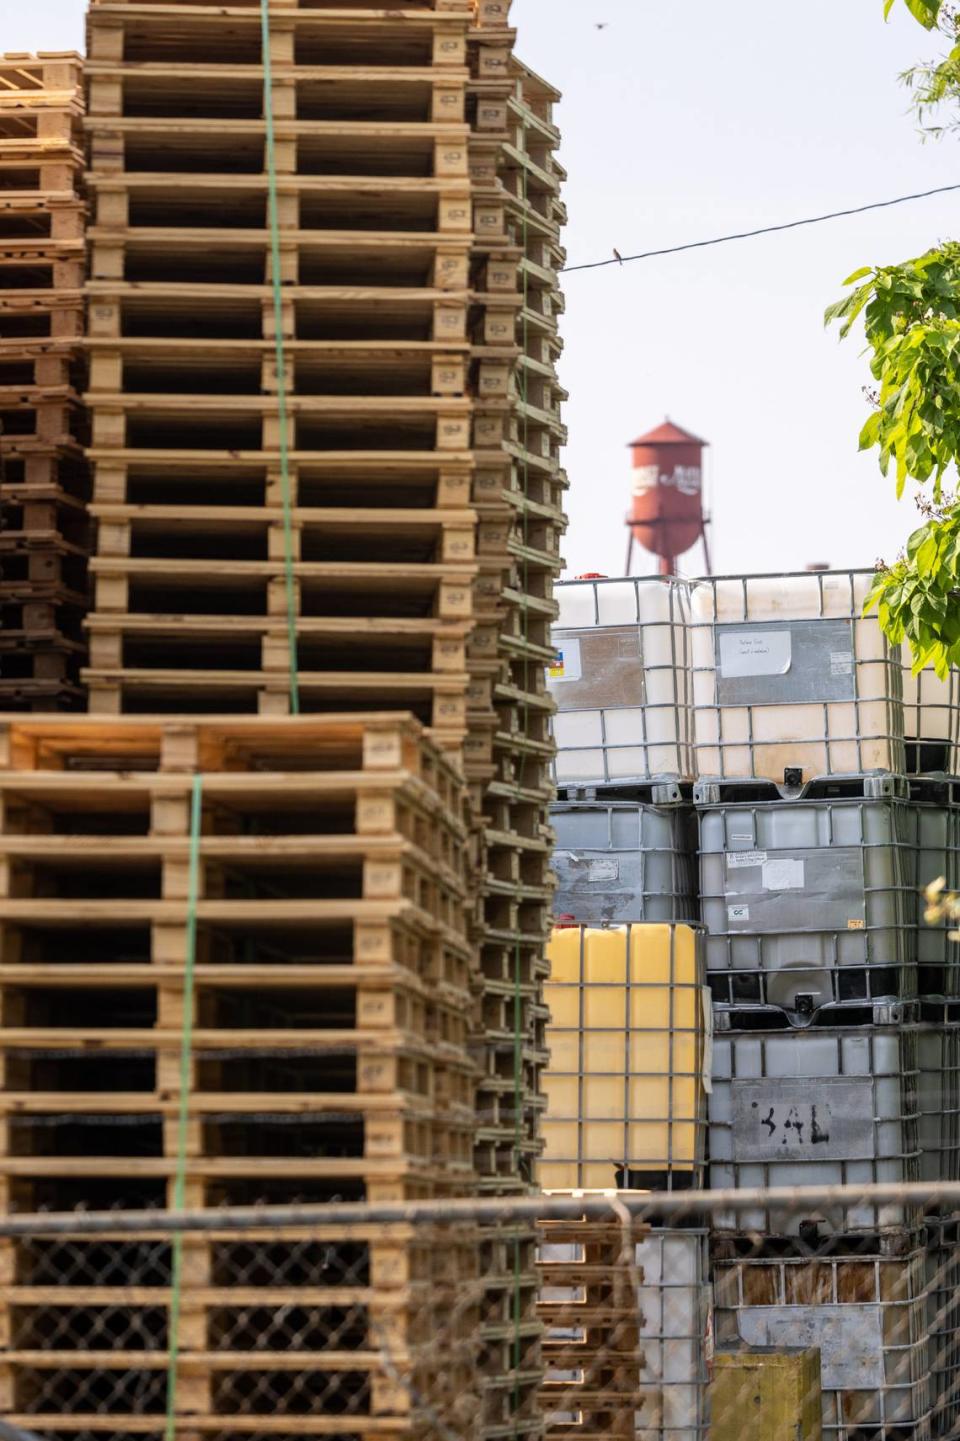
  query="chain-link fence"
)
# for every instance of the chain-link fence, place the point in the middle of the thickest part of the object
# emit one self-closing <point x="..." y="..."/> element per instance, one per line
<point x="587" y="1315"/>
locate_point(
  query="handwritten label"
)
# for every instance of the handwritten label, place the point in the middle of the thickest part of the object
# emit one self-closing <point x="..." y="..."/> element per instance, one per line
<point x="794" y="1118"/>
<point x="760" y="652"/>
<point x="796" y="1126"/>
<point x="737" y="914"/>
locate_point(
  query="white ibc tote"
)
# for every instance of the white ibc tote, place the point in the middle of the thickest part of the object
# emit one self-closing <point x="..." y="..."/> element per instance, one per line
<point x="622" y="681"/>
<point x="789" y="676"/>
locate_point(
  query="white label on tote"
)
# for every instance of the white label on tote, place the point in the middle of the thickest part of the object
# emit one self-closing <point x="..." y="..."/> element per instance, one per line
<point x="758" y="652"/>
<point x="567" y="665"/>
<point x="738" y="913"/>
<point x="783" y="875"/>
<point x="737" y="859"/>
<point x="591" y="870"/>
<point x="841" y="662"/>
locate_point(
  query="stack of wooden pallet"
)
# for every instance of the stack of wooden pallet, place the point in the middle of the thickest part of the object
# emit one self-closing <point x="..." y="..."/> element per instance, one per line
<point x="43" y="483"/>
<point x="518" y="495"/>
<point x="324" y="943"/>
<point x="324" y="436"/>
<point x="305" y="508"/>
<point x="596" y="1387"/>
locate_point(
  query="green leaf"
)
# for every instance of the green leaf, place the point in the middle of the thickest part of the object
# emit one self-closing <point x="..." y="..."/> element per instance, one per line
<point x="860" y="274"/>
<point x="926" y="11"/>
<point x="926" y="557"/>
<point x="870" y="433"/>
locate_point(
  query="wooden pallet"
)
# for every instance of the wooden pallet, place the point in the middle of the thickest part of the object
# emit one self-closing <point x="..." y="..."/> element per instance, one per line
<point x="369" y="1287"/>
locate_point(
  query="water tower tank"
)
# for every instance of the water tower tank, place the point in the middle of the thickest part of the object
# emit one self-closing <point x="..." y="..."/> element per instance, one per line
<point x="666" y="510"/>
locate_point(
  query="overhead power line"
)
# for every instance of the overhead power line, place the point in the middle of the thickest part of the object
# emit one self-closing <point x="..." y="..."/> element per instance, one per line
<point x="763" y="230"/>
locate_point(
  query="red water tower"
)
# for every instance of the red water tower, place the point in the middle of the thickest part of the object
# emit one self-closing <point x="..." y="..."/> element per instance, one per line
<point x="666" y="509"/>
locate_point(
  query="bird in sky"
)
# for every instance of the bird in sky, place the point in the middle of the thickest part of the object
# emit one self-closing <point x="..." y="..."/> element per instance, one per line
<point x="617" y="255"/>
<point x="602" y="24"/>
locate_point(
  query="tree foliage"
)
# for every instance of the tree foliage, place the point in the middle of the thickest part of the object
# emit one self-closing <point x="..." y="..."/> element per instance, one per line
<point x="911" y="318"/>
<point x="916" y="599"/>
<point x="937" y="83"/>
<point x="926" y="11"/>
<point x="911" y="315"/>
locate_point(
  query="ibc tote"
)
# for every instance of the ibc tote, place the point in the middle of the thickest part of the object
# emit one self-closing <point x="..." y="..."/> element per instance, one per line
<point x="791" y="682"/>
<point x="630" y="1039"/>
<point x="622" y="682"/>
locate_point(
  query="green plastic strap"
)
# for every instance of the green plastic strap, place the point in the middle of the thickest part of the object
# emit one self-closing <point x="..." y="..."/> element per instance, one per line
<point x="183" y="1115"/>
<point x="273" y="208"/>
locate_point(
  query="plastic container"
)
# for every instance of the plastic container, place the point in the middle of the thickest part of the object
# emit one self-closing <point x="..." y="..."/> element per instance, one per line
<point x="866" y="1313"/>
<point x="622" y="681"/>
<point x="815" y="1108"/>
<point x="790" y="677"/>
<point x="813" y="905"/>
<point x="622" y="862"/>
<point x="815" y="908"/>
<point x="629" y="1041"/>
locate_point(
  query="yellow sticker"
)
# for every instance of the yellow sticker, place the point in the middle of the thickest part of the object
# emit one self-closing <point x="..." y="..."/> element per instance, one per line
<point x="856" y="925"/>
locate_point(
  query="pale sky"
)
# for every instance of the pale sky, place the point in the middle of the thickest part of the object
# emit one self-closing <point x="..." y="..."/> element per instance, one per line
<point x="684" y="120"/>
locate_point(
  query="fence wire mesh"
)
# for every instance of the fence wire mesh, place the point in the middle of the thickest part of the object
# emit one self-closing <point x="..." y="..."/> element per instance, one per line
<point x="587" y="1315"/>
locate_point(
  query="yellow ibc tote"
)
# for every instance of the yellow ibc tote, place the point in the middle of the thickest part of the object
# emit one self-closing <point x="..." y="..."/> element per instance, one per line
<point x="629" y="1040"/>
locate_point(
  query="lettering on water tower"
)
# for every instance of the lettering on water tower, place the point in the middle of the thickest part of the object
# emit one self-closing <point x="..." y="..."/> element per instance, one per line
<point x="685" y="479"/>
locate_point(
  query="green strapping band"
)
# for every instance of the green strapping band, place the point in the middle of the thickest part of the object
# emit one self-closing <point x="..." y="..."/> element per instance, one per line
<point x="183" y="1116"/>
<point x="273" y="207"/>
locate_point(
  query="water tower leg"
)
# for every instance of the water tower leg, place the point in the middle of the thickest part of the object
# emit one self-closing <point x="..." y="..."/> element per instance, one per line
<point x="626" y="569"/>
<point x="706" y="547"/>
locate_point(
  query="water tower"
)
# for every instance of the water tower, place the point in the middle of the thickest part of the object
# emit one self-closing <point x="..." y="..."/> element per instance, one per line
<point x="666" y="509"/>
